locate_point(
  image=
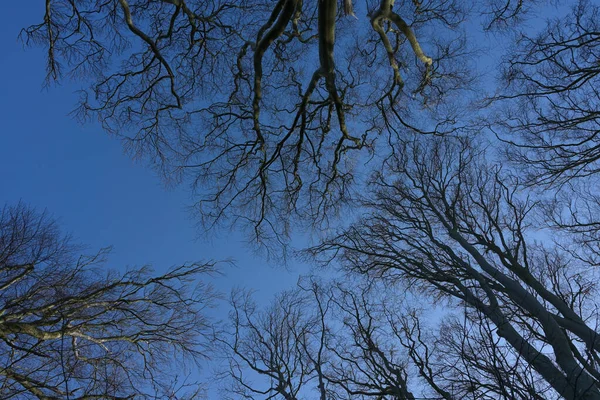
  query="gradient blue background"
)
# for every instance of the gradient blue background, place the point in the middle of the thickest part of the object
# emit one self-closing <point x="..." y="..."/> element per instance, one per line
<point x="81" y="175"/>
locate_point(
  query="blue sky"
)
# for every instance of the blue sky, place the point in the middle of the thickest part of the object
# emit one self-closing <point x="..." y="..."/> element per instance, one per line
<point x="100" y="195"/>
<point x="81" y="175"/>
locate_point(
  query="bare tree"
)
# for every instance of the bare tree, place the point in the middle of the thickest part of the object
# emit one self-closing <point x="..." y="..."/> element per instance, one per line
<point x="270" y="108"/>
<point x="71" y="329"/>
<point x="363" y="341"/>
<point x="447" y="223"/>
<point x="367" y="361"/>
<point x="472" y="361"/>
<point x="504" y="14"/>
<point x="276" y="352"/>
<point x="264" y="105"/>
<point x="551" y="112"/>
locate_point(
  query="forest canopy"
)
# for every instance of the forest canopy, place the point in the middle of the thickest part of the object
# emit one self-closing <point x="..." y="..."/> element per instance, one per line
<point x="443" y="154"/>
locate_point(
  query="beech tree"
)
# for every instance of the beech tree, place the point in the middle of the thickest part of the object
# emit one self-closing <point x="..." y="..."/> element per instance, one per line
<point x="550" y="105"/>
<point x="445" y="222"/>
<point x="272" y="109"/>
<point x="266" y="106"/>
<point x="316" y="341"/>
<point x="361" y="340"/>
<point x="71" y="329"/>
<point x="518" y="314"/>
<point x="271" y="345"/>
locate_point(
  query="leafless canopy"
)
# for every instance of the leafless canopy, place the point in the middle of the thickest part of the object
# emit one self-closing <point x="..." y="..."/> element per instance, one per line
<point x="447" y="223"/>
<point x="71" y="330"/>
<point x="551" y="103"/>
<point x="263" y="104"/>
<point x="362" y="341"/>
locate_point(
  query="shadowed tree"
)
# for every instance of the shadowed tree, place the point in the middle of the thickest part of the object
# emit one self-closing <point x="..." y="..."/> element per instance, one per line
<point x="268" y="107"/>
<point x="362" y="341"/>
<point x="473" y="362"/>
<point x="276" y="352"/>
<point x="551" y="112"/>
<point x="550" y="117"/>
<point x="446" y="223"/>
<point x="71" y="329"/>
<point x="271" y="108"/>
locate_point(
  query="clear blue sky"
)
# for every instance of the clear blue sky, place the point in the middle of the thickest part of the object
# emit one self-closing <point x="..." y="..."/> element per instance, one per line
<point x="82" y="176"/>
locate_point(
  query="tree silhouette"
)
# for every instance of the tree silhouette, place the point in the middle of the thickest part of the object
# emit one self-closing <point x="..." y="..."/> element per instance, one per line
<point x="71" y="329"/>
<point x="268" y="108"/>
<point x="446" y="223"/>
